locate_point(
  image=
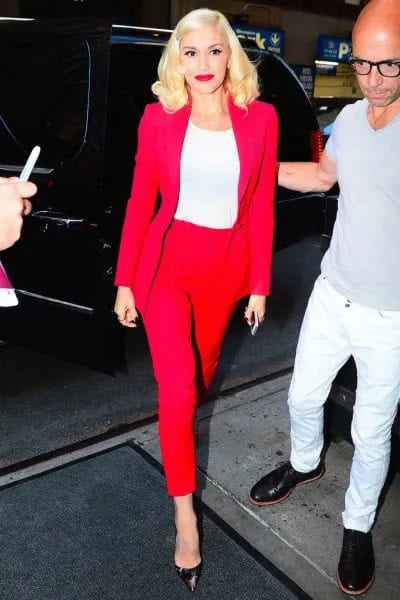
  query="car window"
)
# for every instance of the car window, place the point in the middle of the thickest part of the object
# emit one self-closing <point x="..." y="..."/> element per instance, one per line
<point x="326" y="117"/>
<point x="295" y="112"/>
<point x="32" y="112"/>
<point x="326" y="111"/>
<point x="135" y="87"/>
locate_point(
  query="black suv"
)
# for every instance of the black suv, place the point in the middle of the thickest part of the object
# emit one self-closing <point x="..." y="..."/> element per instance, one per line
<point x="78" y="90"/>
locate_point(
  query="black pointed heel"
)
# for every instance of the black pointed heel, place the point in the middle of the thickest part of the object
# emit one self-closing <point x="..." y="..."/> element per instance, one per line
<point x="190" y="577"/>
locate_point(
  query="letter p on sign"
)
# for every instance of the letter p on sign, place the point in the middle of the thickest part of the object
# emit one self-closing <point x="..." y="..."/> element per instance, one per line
<point x="344" y="48"/>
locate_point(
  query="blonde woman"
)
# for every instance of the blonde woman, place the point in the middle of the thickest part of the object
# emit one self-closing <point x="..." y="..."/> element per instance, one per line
<point x="209" y="147"/>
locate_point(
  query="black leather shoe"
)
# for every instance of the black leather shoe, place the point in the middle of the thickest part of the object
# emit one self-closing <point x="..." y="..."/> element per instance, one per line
<point x="356" y="570"/>
<point x="277" y="485"/>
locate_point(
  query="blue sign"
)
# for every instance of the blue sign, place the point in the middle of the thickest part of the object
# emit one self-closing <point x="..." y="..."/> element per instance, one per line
<point x="272" y="40"/>
<point x="305" y="74"/>
<point x="334" y="48"/>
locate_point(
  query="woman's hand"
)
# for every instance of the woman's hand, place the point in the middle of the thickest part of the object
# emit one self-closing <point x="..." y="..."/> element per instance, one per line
<point x="125" y="307"/>
<point x="256" y="305"/>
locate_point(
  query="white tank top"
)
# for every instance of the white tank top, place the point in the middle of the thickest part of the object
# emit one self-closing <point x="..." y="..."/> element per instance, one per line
<point x="209" y="178"/>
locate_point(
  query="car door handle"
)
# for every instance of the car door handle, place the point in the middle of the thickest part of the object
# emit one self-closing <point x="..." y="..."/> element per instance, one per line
<point x="18" y="168"/>
<point x="55" y="219"/>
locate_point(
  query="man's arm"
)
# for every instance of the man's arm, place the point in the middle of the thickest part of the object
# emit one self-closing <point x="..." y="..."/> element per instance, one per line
<point x="308" y="176"/>
<point x="13" y="205"/>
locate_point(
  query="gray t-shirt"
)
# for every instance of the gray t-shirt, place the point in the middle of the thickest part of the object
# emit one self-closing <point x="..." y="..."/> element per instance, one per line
<point x="363" y="260"/>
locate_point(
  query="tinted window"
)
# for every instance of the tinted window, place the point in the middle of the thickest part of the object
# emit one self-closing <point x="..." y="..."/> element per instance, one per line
<point x="47" y="103"/>
<point x="133" y="69"/>
<point x="296" y="117"/>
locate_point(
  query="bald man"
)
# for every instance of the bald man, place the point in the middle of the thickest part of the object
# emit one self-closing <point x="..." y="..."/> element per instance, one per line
<point x="354" y="309"/>
<point x="13" y="206"/>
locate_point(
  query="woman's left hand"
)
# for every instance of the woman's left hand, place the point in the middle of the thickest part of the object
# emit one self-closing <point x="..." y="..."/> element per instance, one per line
<point x="256" y="305"/>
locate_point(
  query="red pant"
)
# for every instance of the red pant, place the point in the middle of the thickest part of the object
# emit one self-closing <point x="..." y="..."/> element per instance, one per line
<point x="185" y="325"/>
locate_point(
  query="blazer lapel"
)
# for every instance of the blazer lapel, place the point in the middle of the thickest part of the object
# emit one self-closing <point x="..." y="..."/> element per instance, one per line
<point x="245" y="140"/>
<point x="175" y="130"/>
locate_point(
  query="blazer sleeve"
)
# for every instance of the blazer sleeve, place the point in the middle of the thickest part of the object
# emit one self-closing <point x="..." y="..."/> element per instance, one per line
<point x="142" y="200"/>
<point x="261" y="213"/>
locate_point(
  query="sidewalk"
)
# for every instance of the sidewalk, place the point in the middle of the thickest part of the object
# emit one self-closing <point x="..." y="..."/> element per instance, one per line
<point x="244" y="436"/>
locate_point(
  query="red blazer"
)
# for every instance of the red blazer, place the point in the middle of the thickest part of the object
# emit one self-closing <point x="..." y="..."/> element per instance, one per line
<point x="160" y="139"/>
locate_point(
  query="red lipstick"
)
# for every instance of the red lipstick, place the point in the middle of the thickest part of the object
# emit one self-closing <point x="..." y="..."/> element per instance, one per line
<point x="204" y="77"/>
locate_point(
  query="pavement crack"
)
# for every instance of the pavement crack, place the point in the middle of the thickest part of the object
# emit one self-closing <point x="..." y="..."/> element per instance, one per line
<point x="254" y="516"/>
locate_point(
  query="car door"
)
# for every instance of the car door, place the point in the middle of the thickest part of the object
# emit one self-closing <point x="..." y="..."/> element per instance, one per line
<point x="296" y="214"/>
<point x="54" y="94"/>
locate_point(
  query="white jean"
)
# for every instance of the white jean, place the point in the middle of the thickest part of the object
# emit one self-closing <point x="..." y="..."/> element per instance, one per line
<point x="333" y="329"/>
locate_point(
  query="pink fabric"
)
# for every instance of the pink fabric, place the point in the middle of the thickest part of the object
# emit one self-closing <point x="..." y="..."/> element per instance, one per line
<point x="5" y="283"/>
<point x="185" y="325"/>
<point x="160" y="140"/>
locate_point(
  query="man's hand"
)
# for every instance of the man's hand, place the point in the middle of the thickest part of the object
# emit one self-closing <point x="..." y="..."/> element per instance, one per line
<point x="13" y="206"/>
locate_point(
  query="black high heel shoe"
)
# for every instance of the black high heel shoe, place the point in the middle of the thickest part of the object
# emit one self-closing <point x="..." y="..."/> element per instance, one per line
<point x="190" y="577"/>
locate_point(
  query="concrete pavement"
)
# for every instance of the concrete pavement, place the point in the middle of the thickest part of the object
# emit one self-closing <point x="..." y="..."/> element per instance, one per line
<point x="244" y="436"/>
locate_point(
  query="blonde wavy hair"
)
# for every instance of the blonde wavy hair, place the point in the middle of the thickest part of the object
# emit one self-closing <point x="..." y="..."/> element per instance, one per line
<point x="241" y="78"/>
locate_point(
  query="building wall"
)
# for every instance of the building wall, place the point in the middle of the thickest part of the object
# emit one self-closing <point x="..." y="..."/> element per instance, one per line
<point x="259" y="15"/>
<point x="155" y="13"/>
<point x="151" y="13"/>
<point x="302" y="31"/>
